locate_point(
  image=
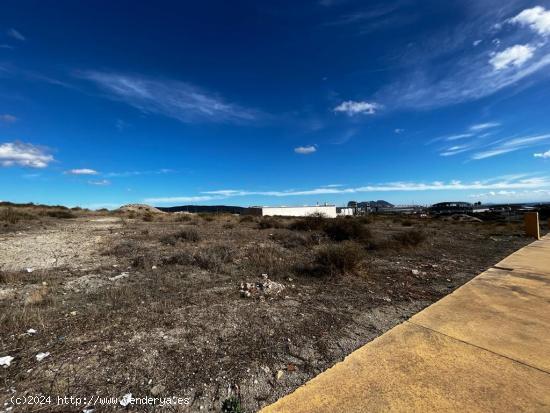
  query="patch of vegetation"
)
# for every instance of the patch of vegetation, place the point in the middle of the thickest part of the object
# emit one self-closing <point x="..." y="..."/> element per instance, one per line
<point x="13" y="216"/>
<point x="183" y="218"/>
<point x="411" y="238"/>
<point x="247" y="218"/>
<point x="186" y="234"/>
<point x="313" y="222"/>
<point x="407" y="223"/>
<point x="60" y="213"/>
<point x="232" y="405"/>
<point x="342" y="229"/>
<point x="339" y="258"/>
<point x="270" y="222"/>
<point x="148" y="217"/>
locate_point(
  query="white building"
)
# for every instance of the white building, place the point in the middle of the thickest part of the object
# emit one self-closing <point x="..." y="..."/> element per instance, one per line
<point x="345" y="211"/>
<point x="328" y="211"/>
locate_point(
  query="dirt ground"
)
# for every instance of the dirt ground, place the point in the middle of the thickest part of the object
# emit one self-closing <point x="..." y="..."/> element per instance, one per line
<point x="153" y="304"/>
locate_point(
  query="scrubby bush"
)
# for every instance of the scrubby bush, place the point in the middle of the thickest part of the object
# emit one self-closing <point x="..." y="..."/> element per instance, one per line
<point x="213" y="257"/>
<point x="247" y="218"/>
<point x="407" y="223"/>
<point x="411" y="238"/>
<point x="183" y="218"/>
<point x="186" y="234"/>
<point x="339" y="258"/>
<point x="13" y="216"/>
<point x="148" y="217"/>
<point x="341" y="229"/>
<point x="313" y="222"/>
<point x="290" y="239"/>
<point x="270" y="222"/>
<point x="207" y="216"/>
<point x="60" y="213"/>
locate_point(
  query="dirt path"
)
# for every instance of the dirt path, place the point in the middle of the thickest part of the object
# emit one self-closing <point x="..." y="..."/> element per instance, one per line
<point x="70" y="243"/>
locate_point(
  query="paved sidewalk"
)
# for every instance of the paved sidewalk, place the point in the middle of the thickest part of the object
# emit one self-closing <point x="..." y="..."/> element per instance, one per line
<point x="483" y="348"/>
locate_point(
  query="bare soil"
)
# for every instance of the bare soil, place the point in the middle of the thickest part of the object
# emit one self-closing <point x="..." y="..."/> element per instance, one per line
<point x="154" y="307"/>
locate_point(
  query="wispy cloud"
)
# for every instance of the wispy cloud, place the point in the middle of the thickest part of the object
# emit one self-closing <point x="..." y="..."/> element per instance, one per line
<point x="14" y="34"/>
<point x="175" y="99"/>
<point x="100" y="182"/>
<point x="83" y="171"/>
<point x="7" y="118"/>
<point x="510" y="145"/>
<point x="183" y="199"/>
<point x="482" y="126"/>
<point x="126" y="174"/>
<point x="305" y="150"/>
<point x="430" y="82"/>
<point x="352" y="108"/>
<point x="24" y="154"/>
<point x="544" y="155"/>
<point x="510" y="182"/>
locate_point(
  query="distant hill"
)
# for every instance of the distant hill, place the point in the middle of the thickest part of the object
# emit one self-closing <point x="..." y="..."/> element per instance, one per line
<point x="374" y="204"/>
<point x="204" y="208"/>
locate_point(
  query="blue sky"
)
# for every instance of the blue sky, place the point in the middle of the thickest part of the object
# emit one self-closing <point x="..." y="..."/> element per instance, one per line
<point x="275" y="103"/>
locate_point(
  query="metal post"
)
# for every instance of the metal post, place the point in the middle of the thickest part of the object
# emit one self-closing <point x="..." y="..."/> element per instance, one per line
<point x="531" y="220"/>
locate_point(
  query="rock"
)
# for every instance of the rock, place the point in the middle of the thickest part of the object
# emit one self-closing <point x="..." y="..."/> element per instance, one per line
<point x="280" y="374"/>
<point x="31" y="331"/>
<point x="415" y="272"/>
<point x="158" y="389"/>
<point x="126" y="400"/>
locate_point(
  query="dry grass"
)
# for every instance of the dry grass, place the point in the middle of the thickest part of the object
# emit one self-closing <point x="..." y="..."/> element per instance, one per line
<point x="339" y="258"/>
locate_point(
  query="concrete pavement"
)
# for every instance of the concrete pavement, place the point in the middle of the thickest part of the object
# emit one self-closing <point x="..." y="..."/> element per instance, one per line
<point x="483" y="348"/>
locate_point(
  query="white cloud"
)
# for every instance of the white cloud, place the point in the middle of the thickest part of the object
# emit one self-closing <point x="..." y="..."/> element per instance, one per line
<point x="305" y="150"/>
<point x="537" y="18"/>
<point x="6" y="117"/>
<point x="352" y="108"/>
<point x="483" y="126"/>
<point x="544" y="155"/>
<point x="398" y="130"/>
<point x="175" y="99"/>
<point x="24" y="154"/>
<point x="127" y="174"/>
<point x="520" y="181"/>
<point x="512" y="56"/>
<point x="84" y="171"/>
<point x="510" y="145"/>
<point x="476" y="42"/>
<point x="101" y="182"/>
<point x="15" y="35"/>
<point x="458" y="136"/>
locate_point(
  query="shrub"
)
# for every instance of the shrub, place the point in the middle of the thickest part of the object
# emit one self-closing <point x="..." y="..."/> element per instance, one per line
<point x="207" y="216"/>
<point x="339" y="258"/>
<point x="213" y="257"/>
<point x="290" y="239"/>
<point x="232" y="405"/>
<point x="312" y="222"/>
<point x="148" y="217"/>
<point x="347" y="229"/>
<point x="186" y="234"/>
<point x="247" y="218"/>
<point x="269" y="222"/>
<point x="183" y="218"/>
<point x="60" y="213"/>
<point x="12" y="216"/>
<point x="411" y="238"/>
<point x="407" y="223"/>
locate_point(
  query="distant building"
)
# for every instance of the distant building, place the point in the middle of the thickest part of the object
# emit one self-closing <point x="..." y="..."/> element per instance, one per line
<point x="452" y="208"/>
<point x="328" y="211"/>
<point x="345" y="211"/>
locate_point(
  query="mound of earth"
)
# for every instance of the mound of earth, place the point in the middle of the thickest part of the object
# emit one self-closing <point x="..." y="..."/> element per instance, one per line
<point x="140" y="208"/>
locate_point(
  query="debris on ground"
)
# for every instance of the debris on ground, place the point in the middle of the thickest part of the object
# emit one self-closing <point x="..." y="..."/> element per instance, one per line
<point x="42" y="356"/>
<point x="31" y="331"/>
<point x="126" y="400"/>
<point x="5" y="361"/>
<point x="119" y="277"/>
<point x="266" y="287"/>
